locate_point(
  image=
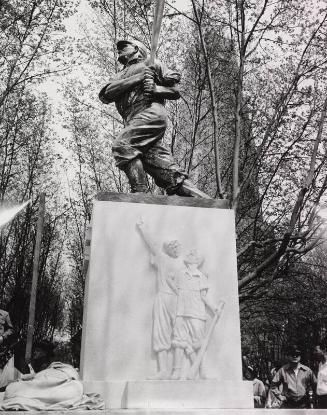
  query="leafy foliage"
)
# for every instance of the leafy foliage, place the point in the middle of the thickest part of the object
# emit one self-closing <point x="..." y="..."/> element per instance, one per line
<point x="267" y="67"/>
<point x="251" y="116"/>
<point x="28" y="162"/>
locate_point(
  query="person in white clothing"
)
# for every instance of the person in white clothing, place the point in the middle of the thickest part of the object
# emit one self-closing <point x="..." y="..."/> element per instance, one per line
<point x="320" y="355"/>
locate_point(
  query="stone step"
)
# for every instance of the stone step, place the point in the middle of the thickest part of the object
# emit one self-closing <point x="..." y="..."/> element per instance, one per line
<point x="216" y="412"/>
<point x="176" y="412"/>
<point x="179" y="394"/>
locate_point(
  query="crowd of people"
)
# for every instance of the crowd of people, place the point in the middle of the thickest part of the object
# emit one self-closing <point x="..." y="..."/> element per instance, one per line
<point x="292" y="385"/>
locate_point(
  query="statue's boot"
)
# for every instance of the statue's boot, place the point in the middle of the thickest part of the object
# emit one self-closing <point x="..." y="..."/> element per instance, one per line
<point x="187" y="188"/>
<point x="164" y="375"/>
<point x="203" y="373"/>
<point x="192" y="357"/>
<point x="178" y="362"/>
<point x="176" y="375"/>
<point x="136" y="176"/>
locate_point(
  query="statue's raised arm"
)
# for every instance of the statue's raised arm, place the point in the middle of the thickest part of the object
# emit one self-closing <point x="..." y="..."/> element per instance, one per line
<point x="147" y="237"/>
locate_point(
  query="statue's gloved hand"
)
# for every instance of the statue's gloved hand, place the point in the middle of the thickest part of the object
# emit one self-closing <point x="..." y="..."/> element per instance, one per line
<point x="148" y="81"/>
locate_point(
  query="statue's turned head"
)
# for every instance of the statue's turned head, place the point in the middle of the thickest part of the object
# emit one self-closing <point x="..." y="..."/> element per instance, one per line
<point x="130" y="49"/>
<point x="193" y="258"/>
<point x="172" y="248"/>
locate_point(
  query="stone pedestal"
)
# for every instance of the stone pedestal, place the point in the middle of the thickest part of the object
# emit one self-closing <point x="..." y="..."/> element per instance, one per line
<point x="177" y="412"/>
<point x="117" y="352"/>
<point x="253" y="411"/>
<point x="201" y="394"/>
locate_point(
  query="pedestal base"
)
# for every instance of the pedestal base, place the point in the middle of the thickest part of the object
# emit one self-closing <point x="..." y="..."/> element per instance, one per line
<point x="179" y="394"/>
<point x="121" y="281"/>
<point x="113" y="393"/>
<point x="253" y="411"/>
<point x="163" y="394"/>
<point x="177" y="412"/>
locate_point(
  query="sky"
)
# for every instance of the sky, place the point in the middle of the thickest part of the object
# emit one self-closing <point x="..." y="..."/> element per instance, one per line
<point x="182" y="5"/>
<point x="85" y="10"/>
<point x="73" y="28"/>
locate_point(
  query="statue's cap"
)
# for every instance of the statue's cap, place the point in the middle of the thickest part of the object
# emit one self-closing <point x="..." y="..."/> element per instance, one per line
<point x="122" y="43"/>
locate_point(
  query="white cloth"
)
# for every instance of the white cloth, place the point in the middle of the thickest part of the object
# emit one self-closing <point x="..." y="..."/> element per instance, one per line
<point x="53" y="389"/>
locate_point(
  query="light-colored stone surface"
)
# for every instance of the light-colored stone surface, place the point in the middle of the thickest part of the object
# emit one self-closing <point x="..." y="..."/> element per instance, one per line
<point x="112" y="392"/>
<point x="121" y="287"/>
<point x="188" y="394"/>
<point x="122" y="284"/>
<point x="172" y="394"/>
<point x="75" y="412"/>
<point x="178" y="412"/>
<point x="218" y="412"/>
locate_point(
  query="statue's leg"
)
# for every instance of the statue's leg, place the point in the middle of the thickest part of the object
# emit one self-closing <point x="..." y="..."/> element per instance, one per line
<point x="163" y="361"/>
<point x="161" y="334"/>
<point x="196" y="328"/>
<point x="181" y="345"/>
<point x="128" y="158"/>
<point x="203" y="372"/>
<point x="159" y="163"/>
<point x="136" y="176"/>
<point x="177" y="365"/>
<point x="162" y="373"/>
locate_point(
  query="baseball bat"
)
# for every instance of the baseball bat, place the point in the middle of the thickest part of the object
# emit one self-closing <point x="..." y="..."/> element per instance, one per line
<point x="158" y="14"/>
<point x="196" y="365"/>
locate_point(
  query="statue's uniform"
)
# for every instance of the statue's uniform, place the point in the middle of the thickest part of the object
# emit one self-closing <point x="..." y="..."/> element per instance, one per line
<point x="164" y="308"/>
<point x="145" y="124"/>
<point x="189" y="329"/>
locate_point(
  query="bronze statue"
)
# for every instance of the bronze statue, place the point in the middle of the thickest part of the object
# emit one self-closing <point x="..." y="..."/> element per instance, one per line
<point x="139" y="92"/>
